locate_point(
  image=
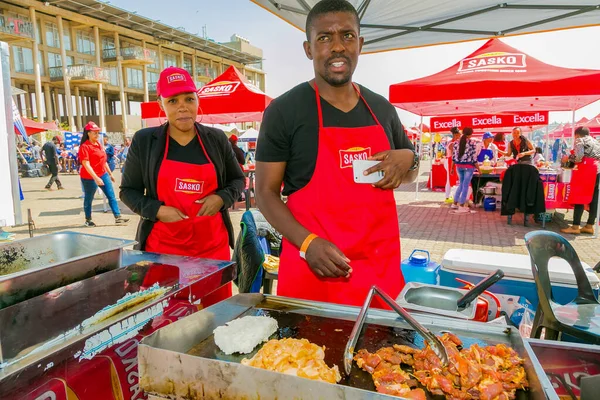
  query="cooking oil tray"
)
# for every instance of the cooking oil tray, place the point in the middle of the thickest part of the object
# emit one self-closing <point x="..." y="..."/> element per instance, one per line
<point x="182" y="361"/>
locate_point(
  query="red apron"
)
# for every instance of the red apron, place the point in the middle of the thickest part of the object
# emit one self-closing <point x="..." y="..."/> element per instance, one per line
<point x="583" y="181"/>
<point x="359" y="219"/>
<point x="179" y="185"/>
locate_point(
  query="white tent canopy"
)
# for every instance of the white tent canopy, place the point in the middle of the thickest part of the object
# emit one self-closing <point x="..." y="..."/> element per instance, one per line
<point x="251" y="135"/>
<point x="393" y="24"/>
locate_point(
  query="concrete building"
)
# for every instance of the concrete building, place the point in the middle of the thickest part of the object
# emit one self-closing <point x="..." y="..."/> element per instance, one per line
<point x="104" y="59"/>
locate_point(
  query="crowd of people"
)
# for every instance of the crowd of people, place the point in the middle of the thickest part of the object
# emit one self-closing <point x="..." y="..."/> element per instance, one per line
<point x="67" y="158"/>
<point x="468" y="155"/>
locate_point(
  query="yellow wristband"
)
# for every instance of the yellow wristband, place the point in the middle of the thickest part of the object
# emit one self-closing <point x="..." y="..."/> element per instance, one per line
<point x="305" y="245"/>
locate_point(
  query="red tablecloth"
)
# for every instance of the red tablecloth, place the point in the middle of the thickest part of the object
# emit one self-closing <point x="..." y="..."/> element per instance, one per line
<point x="557" y="195"/>
<point x="437" y="179"/>
<point x="111" y="375"/>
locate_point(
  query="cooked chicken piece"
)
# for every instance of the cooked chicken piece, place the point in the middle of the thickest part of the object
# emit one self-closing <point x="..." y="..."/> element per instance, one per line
<point x="295" y="357"/>
<point x="489" y="373"/>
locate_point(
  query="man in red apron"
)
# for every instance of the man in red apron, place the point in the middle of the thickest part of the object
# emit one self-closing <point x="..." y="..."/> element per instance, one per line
<point x="340" y="237"/>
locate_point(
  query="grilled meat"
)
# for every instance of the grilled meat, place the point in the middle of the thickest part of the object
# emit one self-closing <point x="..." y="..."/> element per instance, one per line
<point x="476" y="373"/>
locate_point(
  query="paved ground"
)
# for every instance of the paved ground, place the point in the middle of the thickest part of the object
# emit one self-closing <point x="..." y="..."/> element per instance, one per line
<point x="424" y="223"/>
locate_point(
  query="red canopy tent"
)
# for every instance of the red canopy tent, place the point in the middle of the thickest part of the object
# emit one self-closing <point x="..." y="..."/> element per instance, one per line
<point x="497" y="78"/>
<point x="32" y="127"/>
<point x="228" y="98"/>
<point x="594" y="125"/>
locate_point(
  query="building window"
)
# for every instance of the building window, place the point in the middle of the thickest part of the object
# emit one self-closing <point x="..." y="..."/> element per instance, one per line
<point x="108" y="43"/>
<point x="114" y="77"/>
<point x="169" y="60"/>
<point x="52" y="38"/>
<point x="152" y="77"/>
<point x="135" y="78"/>
<point x="85" y="43"/>
<point x="154" y="56"/>
<point x="187" y="64"/>
<point x="52" y="35"/>
<point x="23" y="60"/>
<point x="54" y="60"/>
<point x="84" y="61"/>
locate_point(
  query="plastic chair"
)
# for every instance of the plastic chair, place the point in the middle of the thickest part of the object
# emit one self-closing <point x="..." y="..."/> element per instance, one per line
<point x="581" y="317"/>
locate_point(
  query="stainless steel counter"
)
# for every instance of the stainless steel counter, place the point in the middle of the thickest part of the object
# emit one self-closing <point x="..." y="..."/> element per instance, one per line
<point x="80" y="320"/>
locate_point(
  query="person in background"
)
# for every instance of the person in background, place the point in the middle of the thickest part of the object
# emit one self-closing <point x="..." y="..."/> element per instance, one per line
<point x="520" y="148"/>
<point x="239" y="153"/>
<point x="123" y="154"/>
<point x="74" y="155"/>
<point x="585" y="147"/>
<point x="464" y="155"/>
<point x="61" y="153"/>
<point x="36" y="151"/>
<point x="488" y="150"/>
<point x="50" y="155"/>
<point x="500" y="142"/>
<point x="95" y="173"/>
<point x="181" y="178"/>
<point x="110" y="154"/>
<point x="538" y="158"/>
<point x="452" y="168"/>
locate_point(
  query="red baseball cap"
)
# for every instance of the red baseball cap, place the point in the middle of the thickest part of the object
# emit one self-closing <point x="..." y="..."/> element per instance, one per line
<point x="174" y="81"/>
<point x="91" y="126"/>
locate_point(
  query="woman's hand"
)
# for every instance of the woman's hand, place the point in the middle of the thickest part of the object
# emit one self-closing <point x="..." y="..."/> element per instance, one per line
<point x="112" y="178"/>
<point x="211" y="205"/>
<point x="98" y="181"/>
<point x="170" y="214"/>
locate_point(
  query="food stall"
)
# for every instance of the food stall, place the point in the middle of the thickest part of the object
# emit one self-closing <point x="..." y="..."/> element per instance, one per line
<point x="73" y="308"/>
<point x="79" y="315"/>
<point x="498" y="78"/>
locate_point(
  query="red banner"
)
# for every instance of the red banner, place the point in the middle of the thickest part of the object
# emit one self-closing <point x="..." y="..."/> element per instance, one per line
<point x="503" y="120"/>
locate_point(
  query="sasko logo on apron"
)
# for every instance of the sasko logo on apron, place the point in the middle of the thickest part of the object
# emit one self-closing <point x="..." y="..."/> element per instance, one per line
<point x="353" y="153"/>
<point x="189" y="186"/>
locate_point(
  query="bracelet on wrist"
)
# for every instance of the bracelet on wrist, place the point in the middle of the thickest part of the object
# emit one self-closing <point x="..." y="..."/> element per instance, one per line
<point x="304" y="248"/>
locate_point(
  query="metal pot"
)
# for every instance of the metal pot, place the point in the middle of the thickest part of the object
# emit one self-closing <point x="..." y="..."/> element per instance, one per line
<point x="565" y="176"/>
<point x="488" y="190"/>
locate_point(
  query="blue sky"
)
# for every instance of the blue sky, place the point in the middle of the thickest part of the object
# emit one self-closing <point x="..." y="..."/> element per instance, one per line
<point x="286" y="65"/>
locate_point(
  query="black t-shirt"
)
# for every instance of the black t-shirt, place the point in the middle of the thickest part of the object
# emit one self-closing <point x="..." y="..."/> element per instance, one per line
<point x="191" y="153"/>
<point x="289" y="131"/>
<point x="49" y="150"/>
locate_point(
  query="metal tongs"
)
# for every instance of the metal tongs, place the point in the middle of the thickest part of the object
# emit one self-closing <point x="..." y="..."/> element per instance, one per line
<point x="435" y="343"/>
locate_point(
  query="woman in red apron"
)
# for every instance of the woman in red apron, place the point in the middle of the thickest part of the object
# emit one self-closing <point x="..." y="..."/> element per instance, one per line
<point x="181" y="178"/>
<point x="584" y="182"/>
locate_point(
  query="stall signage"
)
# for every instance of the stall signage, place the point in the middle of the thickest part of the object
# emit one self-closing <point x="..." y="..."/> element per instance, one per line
<point x="551" y="191"/>
<point x="494" y="62"/>
<point x="223" y="88"/>
<point x="490" y="120"/>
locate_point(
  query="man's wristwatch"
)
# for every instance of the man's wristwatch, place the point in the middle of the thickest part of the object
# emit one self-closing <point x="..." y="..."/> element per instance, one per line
<point x="416" y="161"/>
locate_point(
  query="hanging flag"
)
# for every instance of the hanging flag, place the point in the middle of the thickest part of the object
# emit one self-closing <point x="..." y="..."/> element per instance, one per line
<point x="18" y="122"/>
